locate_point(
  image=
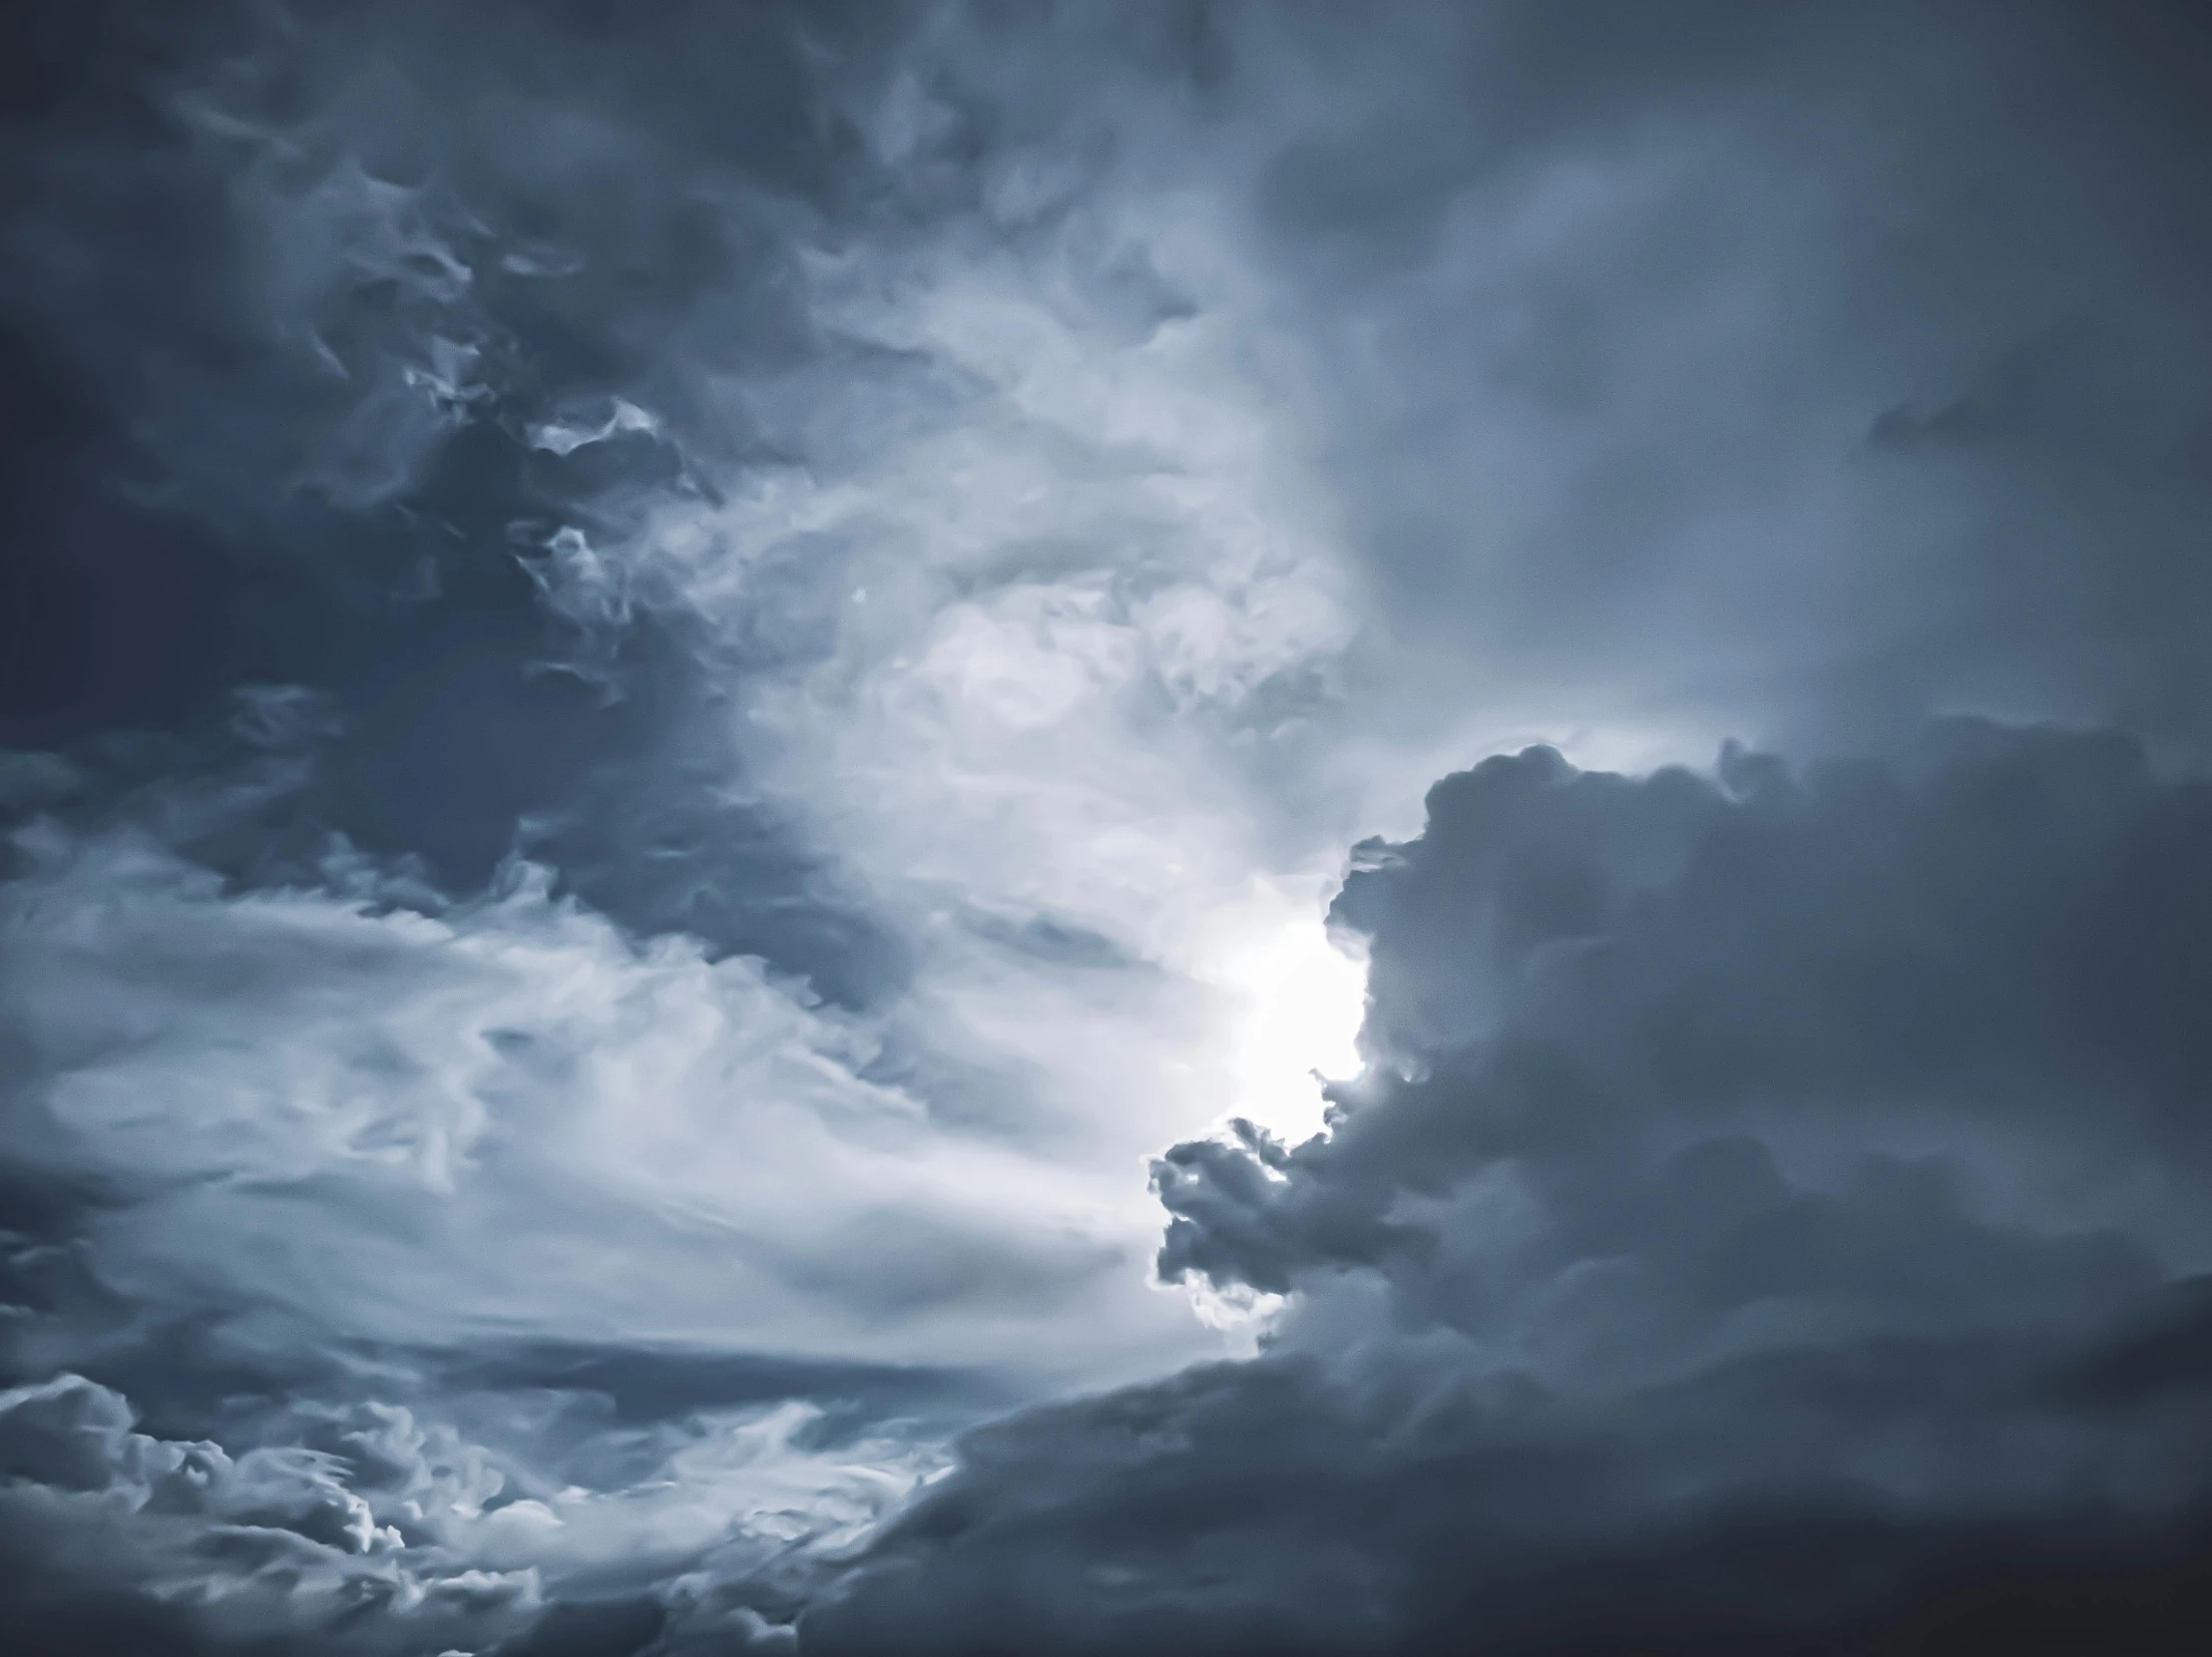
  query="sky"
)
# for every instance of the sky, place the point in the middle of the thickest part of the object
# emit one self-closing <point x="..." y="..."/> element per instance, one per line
<point x="1037" y="828"/>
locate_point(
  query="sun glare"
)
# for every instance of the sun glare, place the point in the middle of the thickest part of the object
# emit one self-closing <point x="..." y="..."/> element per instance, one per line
<point x="1303" y="1000"/>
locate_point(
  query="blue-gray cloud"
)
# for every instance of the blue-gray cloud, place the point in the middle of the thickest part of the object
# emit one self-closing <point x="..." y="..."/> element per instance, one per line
<point x="677" y="683"/>
<point x="1777" y="1199"/>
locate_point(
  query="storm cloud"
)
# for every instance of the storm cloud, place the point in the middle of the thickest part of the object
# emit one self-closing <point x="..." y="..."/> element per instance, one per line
<point x="1773" y="1210"/>
<point x="726" y="922"/>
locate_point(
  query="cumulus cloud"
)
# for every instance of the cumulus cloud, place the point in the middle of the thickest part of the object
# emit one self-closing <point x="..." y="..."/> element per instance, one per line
<point x="1954" y="985"/>
<point x="1753" y="1172"/>
<point x="377" y="1532"/>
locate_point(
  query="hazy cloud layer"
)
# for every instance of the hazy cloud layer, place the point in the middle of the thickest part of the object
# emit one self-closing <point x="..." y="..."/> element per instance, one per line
<point x="680" y="681"/>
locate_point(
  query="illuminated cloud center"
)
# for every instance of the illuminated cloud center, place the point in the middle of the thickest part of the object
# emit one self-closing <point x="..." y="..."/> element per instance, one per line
<point x="1299" y="1001"/>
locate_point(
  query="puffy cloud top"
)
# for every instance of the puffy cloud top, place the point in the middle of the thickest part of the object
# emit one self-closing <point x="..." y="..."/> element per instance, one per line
<point x="1775" y="1199"/>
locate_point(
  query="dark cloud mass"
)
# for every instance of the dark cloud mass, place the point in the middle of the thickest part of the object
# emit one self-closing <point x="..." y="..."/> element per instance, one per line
<point x="679" y="681"/>
<point x="1768" y="1224"/>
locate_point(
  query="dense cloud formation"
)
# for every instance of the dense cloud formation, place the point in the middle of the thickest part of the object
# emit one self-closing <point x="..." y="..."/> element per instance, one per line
<point x="678" y="682"/>
<point x="1778" y="1205"/>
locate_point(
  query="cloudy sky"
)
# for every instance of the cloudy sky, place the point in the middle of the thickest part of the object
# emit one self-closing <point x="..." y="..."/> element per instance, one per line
<point x="1021" y="828"/>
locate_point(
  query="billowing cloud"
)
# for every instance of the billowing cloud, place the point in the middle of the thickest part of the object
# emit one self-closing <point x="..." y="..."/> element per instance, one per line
<point x="1775" y="1206"/>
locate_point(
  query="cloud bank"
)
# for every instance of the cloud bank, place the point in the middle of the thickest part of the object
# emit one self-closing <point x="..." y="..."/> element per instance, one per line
<point x="1775" y="1208"/>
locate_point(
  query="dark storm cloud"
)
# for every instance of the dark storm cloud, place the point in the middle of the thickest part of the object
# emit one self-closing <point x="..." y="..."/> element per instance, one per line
<point x="1759" y="1233"/>
<point x="1966" y="978"/>
<point x="1266" y="1507"/>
